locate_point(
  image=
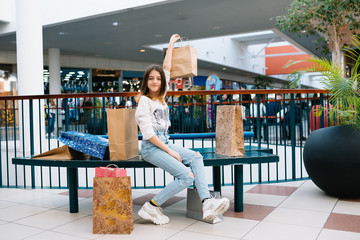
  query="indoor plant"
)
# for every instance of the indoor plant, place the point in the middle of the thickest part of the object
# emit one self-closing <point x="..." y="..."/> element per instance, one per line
<point x="332" y="155"/>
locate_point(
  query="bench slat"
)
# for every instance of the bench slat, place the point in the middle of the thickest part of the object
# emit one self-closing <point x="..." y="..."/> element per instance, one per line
<point x="210" y="159"/>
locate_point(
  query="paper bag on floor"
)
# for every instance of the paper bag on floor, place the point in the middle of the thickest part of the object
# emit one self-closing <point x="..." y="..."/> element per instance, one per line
<point x="229" y="131"/>
<point x="62" y="153"/>
<point x="112" y="205"/>
<point x="122" y="133"/>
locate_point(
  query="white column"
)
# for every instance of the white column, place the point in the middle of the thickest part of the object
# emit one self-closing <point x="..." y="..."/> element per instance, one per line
<point x="29" y="52"/>
<point x="55" y="80"/>
<point x="54" y="69"/>
<point x="29" y="47"/>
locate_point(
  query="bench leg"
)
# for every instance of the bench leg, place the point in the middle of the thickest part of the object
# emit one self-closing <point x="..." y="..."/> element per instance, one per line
<point x="238" y="189"/>
<point x="217" y="179"/>
<point x="73" y="189"/>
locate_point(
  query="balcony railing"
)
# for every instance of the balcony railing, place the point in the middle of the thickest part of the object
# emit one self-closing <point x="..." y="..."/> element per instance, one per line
<point x="31" y="125"/>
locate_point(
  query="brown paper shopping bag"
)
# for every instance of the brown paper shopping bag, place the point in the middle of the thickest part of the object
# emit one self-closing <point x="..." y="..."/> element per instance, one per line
<point x="183" y="62"/>
<point x="112" y="205"/>
<point x="229" y="131"/>
<point x="62" y="153"/>
<point x="122" y="133"/>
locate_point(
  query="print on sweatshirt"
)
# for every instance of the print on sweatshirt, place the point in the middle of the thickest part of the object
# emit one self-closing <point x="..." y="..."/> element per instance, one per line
<point x="161" y="116"/>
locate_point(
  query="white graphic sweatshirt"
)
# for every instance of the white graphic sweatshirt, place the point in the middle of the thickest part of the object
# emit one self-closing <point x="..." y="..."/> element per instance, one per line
<point x="152" y="115"/>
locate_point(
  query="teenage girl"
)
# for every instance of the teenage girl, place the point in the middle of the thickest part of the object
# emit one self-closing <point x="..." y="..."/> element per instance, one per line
<point x="152" y="116"/>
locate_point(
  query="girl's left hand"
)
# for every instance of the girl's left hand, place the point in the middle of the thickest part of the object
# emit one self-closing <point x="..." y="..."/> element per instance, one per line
<point x="175" y="155"/>
<point x="174" y="38"/>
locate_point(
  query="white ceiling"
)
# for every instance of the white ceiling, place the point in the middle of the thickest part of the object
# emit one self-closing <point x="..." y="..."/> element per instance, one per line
<point x="194" y="19"/>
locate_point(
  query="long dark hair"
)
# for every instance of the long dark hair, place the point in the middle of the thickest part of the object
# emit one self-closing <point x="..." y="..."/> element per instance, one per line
<point x="144" y="90"/>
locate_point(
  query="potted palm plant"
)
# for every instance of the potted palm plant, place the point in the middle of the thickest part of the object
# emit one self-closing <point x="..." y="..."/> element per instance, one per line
<point x="332" y="154"/>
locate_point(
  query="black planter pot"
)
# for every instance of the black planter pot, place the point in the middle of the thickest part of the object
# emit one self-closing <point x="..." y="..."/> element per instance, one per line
<point x="332" y="160"/>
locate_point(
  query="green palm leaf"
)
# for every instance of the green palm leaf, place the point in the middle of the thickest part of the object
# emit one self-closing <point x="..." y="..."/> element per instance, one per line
<point x="344" y="93"/>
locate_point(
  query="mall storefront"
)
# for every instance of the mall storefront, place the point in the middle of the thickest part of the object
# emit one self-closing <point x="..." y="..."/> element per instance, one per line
<point x="84" y="80"/>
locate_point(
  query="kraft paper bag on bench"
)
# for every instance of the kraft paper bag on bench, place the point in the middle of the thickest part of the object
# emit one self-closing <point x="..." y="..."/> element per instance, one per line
<point x="62" y="153"/>
<point x="229" y="131"/>
<point x="112" y="205"/>
<point x="122" y="133"/>
<point x="183" y="62"/>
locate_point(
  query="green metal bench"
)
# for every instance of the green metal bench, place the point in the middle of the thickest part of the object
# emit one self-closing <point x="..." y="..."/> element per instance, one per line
<point x="253" y="155"/>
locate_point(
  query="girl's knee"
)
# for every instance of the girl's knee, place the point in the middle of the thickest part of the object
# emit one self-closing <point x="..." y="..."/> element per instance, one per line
<point x="198" y="158"/>
<point x="188" y="180"/>
<point x="198" y="155"/>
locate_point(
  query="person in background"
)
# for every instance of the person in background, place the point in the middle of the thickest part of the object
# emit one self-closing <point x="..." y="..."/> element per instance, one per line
<point x="88" y="106"/>
<point x="273" y="108"/>
<point x="255" y="115"/>
<point x="245" y="103"/>
<point x="225" y="97"/>
<point x="152" y="116"/>
<point x="128" y="103"/>
<point x="71" y="104"/>
<point x="51" y="114"/>
<point x="245" y="98"/>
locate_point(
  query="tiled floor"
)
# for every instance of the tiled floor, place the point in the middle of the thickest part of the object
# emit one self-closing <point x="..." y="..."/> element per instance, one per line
<point x="292" y="210"/>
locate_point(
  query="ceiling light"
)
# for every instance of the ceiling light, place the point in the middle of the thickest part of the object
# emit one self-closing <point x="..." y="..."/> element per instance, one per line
<point x="142" y="50"/>
<point x="115" y="24"/>
<point x="63" y="33"/>
<point x="216" y="28"/>
<point x="224" y="68"/>
<point x="303" y="31"/>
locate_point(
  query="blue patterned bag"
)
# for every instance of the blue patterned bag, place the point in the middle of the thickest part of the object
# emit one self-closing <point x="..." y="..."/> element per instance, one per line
<point x="93" y="145"/>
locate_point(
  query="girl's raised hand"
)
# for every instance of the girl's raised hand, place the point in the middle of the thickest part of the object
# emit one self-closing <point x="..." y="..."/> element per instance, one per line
<point x="174" y="38"/>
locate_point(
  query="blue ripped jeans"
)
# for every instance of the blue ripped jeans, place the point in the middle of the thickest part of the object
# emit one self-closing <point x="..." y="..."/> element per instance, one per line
<point x="182" y="174"/>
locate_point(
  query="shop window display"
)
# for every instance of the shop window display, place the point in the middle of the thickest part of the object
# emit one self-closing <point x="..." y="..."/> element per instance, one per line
<point x="105" y="80"/>
<point x="131" y="80"/>
<point x="8" y="87"/>
<point x="73" y="80"/>
<point x="131" y="85"/>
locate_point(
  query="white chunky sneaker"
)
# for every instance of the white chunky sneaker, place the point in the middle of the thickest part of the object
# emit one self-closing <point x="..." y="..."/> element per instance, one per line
<point x="154" y="214"/>
<point x="213" y="207"/>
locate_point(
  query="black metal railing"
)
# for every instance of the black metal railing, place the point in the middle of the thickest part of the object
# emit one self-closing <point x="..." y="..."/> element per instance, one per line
<point x="280" y="119"/>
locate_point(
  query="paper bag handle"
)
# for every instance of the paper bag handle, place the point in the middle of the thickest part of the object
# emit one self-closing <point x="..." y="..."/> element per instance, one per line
<point x="114" y="165"/>
<point x="181" y="41"/>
